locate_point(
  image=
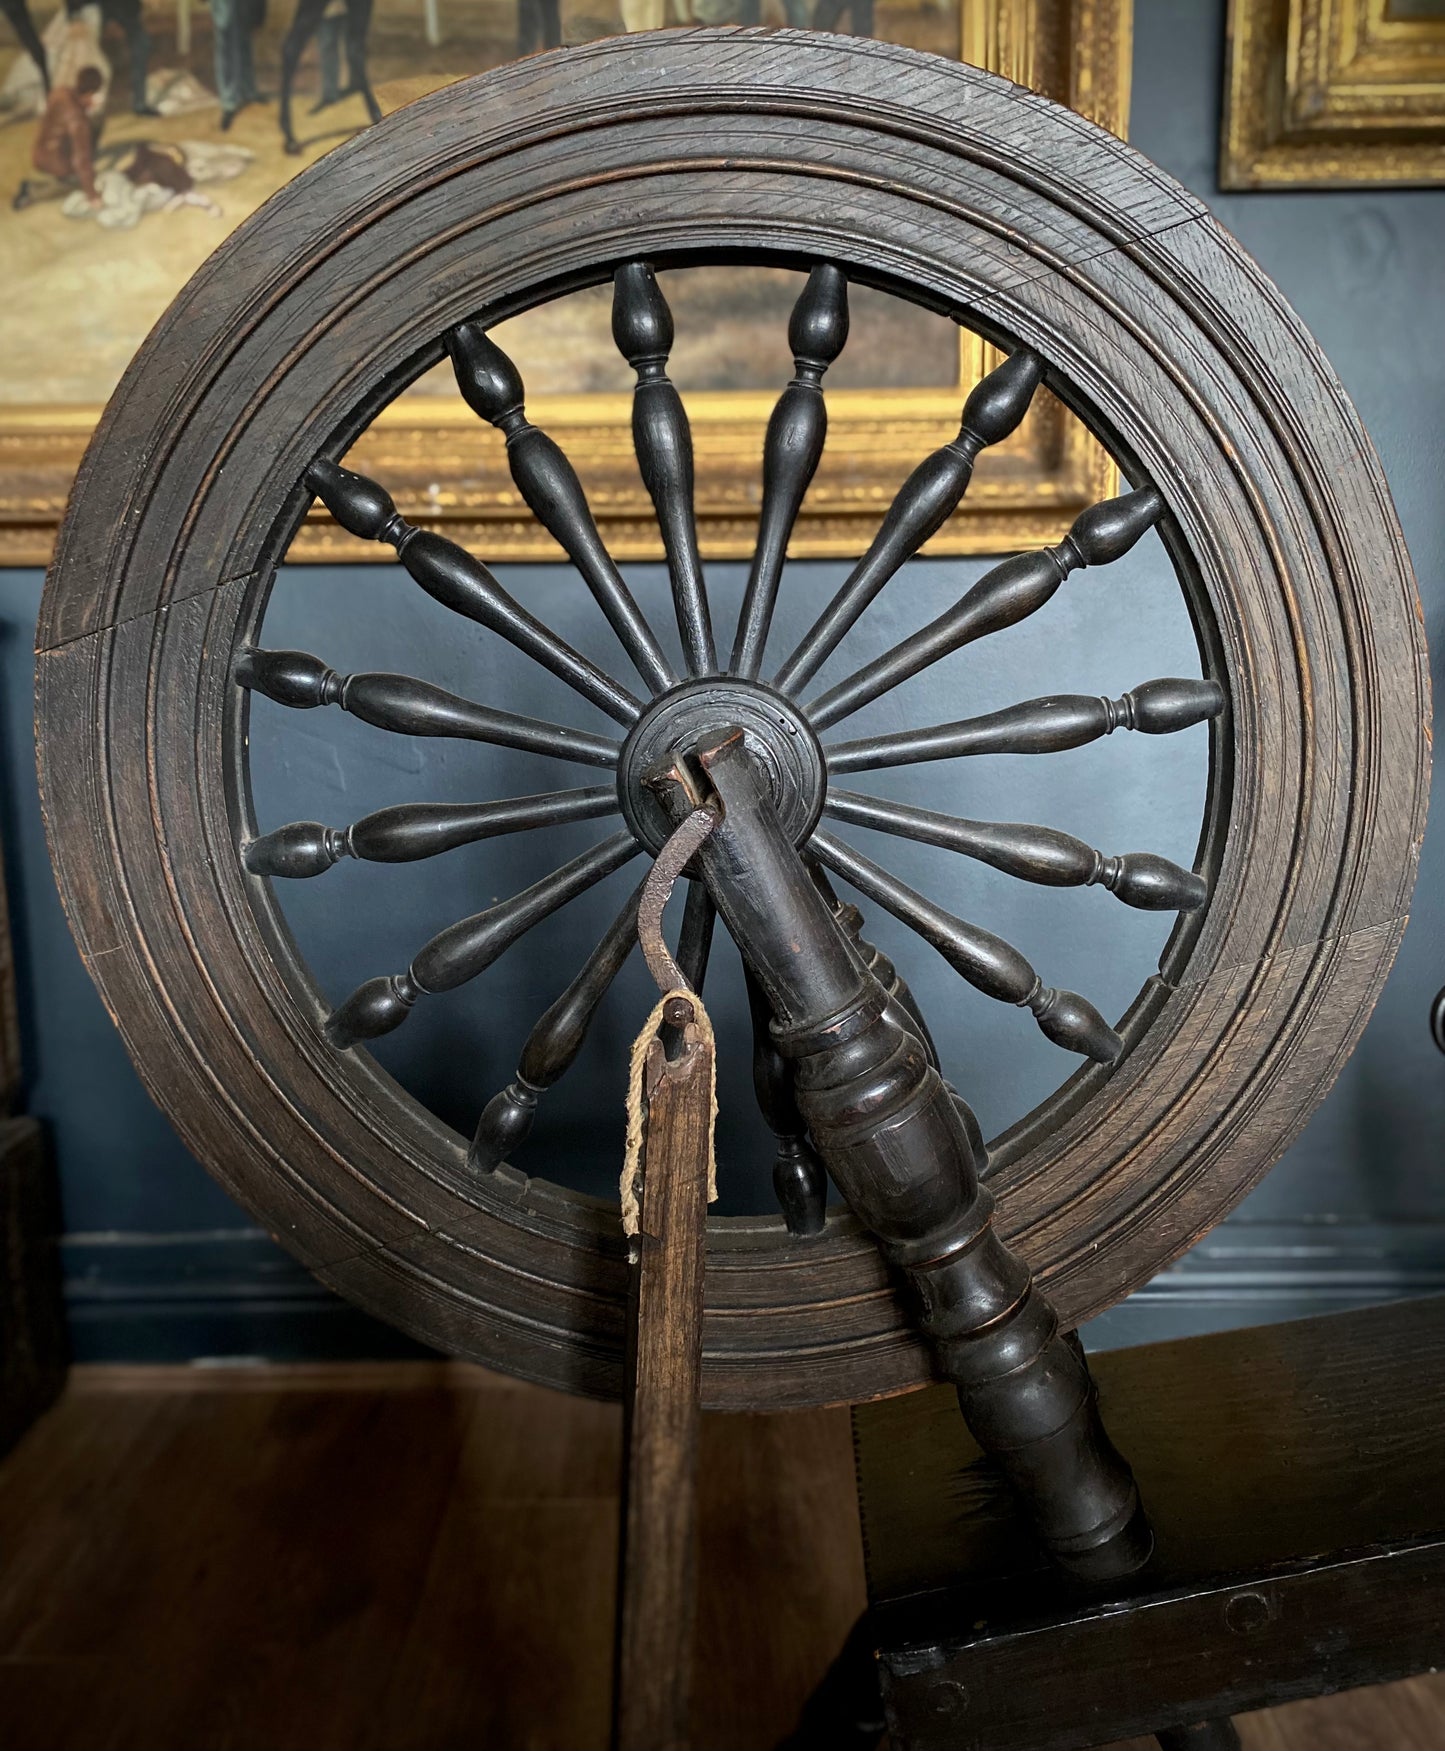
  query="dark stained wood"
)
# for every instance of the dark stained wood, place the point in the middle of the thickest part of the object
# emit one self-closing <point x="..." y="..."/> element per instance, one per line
<point x="1033" y="854"/>
<point x="1010" y="592"/>
<point x="990" y="964"/>
<point x="1296" y="1481"/>
<point x="792" y="449"/>
<point x="10" y="1054"/>
<point x="469" y="947"/>
<point x="903" y="1006"/>
<point x="421" y="1557"/>
<point x="642" y="328"/>
<point x="553" y="1045"/>
<point x="924" y="503"/>
<point x="662" y="1412"/>
<point x="694" y="937"/>
<point x="459" y="581"/>
<point x="1039" y="726"/>
<point x="410" y="707"/>
<point x="800" y="1183"/>
<point x="887" y="1129"/>
<point x="492" y="387"/>
<point x="408" y="831"/>
<point x="1218" y="1734"/>
<point x="911" y="173"/>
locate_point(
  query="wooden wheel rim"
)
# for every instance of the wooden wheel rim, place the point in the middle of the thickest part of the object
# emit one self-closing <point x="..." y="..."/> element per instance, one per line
<point x="903" y="168"/>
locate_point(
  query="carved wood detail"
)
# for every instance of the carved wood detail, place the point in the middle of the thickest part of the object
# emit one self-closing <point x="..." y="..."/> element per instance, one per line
<point x="1062" y="244"/>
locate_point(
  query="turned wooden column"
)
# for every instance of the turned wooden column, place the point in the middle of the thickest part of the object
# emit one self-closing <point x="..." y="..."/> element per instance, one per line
<point x="896" y="1146"/>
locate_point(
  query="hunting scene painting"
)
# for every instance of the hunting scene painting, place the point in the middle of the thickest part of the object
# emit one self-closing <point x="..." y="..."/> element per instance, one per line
<point x="136" y="134"/>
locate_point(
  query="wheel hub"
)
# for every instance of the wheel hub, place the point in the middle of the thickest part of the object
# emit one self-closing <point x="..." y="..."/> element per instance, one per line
<point x="775" y="732"/>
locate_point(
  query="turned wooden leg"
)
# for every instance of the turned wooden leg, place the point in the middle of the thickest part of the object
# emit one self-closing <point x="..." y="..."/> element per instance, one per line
<point x="897" y="1149"/>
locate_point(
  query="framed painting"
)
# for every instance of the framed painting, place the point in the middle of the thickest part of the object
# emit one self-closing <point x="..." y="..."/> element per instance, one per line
<point x="135" y="134"/>
<point x="1334" y="94"/>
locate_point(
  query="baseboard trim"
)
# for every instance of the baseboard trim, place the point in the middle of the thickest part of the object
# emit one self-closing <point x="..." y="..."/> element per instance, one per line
<point x="224" y="1294"/>
<point x="242" y="1374"/>
<point x="233" y="1295"/>
<point x="1250" y="1272"/>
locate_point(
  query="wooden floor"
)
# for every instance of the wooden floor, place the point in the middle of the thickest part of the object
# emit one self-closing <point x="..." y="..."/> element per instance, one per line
<point x="419" y="1557"/>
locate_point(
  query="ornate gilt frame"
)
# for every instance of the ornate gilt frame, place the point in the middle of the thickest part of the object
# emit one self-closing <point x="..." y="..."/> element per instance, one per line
<point x="446" y="472"/>
<point x="1332" y="94"/>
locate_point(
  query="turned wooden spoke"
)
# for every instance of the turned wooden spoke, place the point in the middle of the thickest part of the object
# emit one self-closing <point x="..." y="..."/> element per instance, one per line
<point x="1033" y="854"/>
<point x="1010" y="592"/>
<point x="553" y="1045"/>
<point x="412" y="708"/>
<point x="800" y="1182"/>
<point x="467" y="948"/>
<point x="492" y="387"/>
<point x="877" y="963"/>
<point x="924" y="503"/>
<point x="904" y="1005"/>
<point x="694" y="938"/>
<point x="458" y="581"/>
<point x="990" y="964"/>
<point x="1038" y="726"/>
<point x="791" y="451"/>
<point x="410" y="831"/>
<point x="642" y="329"/>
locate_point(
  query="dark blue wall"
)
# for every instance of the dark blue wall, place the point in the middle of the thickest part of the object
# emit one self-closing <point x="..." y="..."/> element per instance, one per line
<point x="1357" y="1207"/>
<point x="160" y="1263"/>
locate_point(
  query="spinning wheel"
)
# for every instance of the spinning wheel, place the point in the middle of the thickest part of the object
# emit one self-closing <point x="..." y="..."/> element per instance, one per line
<point x="862" y="163"/>
<point x="781" y="723"/>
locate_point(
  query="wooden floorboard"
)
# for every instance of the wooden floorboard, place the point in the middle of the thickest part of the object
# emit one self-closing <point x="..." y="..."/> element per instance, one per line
<point x="419" y="1557"/>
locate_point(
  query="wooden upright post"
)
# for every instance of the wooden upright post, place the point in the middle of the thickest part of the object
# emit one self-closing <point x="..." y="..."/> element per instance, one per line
<point x="657" y="1565"/>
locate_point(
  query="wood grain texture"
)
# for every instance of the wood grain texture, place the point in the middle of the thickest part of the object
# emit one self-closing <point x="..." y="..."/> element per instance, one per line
<point x="890" y="1134"/>
<point x="419" y="1557"/>
<point x="413" y="1558"/>
<point x="1036" y="229"/>
<point x="1295" y="1478"/>
<point x="662" y="1412"/>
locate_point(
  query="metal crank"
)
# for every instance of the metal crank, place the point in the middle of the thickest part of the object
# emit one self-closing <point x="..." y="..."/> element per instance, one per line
<point x="898" y="1145"/>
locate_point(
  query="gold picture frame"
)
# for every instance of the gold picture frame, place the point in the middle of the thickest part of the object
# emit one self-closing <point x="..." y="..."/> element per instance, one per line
<point x="447" y="473"/>
<point x="1334" y="94"/>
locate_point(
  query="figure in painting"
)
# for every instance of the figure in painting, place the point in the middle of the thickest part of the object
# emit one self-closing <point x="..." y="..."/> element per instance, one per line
<point x="539" y="25"/>
<point x="125" y="15"/>
<point x="69" y="133"/>
<point x="234" y="23"/>
<point x="330" y="53"/>
<point x="355" y="25"/>
<point x="113" y="185"/>
<point x="17" y="15"/>
<point x="658" y="14"/>
<point x="827" y="13"/>
<point x="142" y="177"/>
